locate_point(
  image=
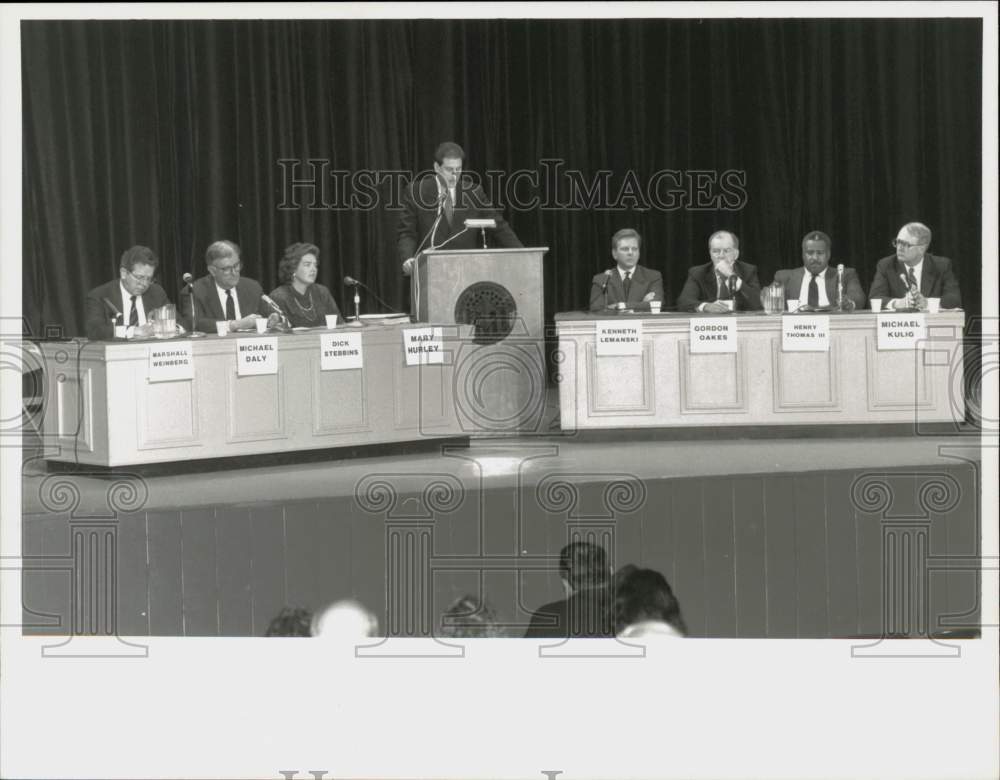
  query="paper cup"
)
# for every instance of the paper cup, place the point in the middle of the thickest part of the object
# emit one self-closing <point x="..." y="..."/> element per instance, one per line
<point x="654" y="307"/>
<point x="876" y="304"/>
<point x="222" y="327"/>
<point x="730" y="304"/>
<point x="331" y="321"/>
<point x="120" y="331"/>
<point x="792" y="304"/>
<point x="933" y="305"/>
<point x="261" y="325"/>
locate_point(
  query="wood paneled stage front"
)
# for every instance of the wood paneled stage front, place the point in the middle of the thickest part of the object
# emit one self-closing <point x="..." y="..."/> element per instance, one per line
<point x="761" y="537"/>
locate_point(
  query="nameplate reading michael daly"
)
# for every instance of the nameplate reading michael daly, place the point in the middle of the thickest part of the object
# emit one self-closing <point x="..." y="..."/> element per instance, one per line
<point x="257" y="356"/>
<point x="168" y="362"/>
<point x="619" y="337"/>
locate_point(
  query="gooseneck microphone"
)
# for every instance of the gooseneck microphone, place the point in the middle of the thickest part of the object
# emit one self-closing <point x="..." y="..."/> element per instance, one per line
<point x="350" y="281"/>
<point x="437" y="221"/>
<point x="604" y="287"/>
<point x="188" y="280"/>
<point x="276" y="309"/>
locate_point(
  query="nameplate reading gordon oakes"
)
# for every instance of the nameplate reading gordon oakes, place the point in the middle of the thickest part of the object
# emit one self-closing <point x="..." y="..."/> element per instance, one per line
<point x="805" y="333"/>
<point x="340" y="350"/>
<point x="423" y="346"/>
<point x="712" y="334"/>
<point x="168" y="362"/>
<point x="901" y="331"/>
<point x="619" y="337"/>
<point x="257" y="356"/>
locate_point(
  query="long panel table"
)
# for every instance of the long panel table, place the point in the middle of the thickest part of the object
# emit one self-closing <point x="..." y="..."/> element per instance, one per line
<point x="760" y="384"/>
<point x="101" y="407"/>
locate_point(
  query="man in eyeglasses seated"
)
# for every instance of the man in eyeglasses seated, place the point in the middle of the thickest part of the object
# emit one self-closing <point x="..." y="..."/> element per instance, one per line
<point x="127" y="300"/>
<point x="724" y="283"/>
<point x="224" y="296"/>
<point x="908" y="278"/>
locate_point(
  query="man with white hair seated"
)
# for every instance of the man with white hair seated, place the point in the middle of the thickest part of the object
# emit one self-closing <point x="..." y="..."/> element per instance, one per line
<point x="908" y="278"/>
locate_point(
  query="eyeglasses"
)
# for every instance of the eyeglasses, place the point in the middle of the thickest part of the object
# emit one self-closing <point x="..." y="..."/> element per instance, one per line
<point x="142" y="279"/>
<point x="228" y="269"/>
<point x="727" y="251"/>
<point x="904" y="245"/>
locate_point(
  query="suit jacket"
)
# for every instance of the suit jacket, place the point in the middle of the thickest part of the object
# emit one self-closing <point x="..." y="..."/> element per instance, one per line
<point x="936" y="281"/>
<point x="644" y="280"/>
<point x="207" y="308"/>
<point x="587" y="613"/>
<point x="420" y="209"/>
<point x="700" y="287"/>
<point x="98" y="316"/>
<point x="791" y="278"/>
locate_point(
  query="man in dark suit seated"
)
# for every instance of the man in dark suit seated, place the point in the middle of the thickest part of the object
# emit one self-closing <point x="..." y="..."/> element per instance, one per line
<point x="223" y="295"/>
<point x="586" y="610"/>
<point x="815" y="283"/>
<point x="711" y="287"/>
<point x="134" y="294"/>
<point x="628" y="285"/>
<point x="907" y="279"/>
<point x="435" y="209"/>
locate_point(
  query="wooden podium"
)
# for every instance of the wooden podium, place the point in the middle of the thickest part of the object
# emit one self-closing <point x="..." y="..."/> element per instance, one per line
<point x="495" y="298"/>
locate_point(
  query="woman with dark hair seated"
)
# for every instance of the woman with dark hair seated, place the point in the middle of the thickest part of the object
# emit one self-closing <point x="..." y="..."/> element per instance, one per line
<point x="645" y="605"/>
<point x="304" y="302"/>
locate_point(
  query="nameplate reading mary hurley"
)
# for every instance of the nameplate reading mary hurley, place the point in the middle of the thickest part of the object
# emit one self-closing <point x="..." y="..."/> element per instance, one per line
<point x="712" y="334"/>
<point x="257" y="356"/>
<point x="901" y="331"/>
<point x="340" y="350"/>
<point x="423" y="346"/>
<point x="619" y="337"/>
<point x="168" y="362"/>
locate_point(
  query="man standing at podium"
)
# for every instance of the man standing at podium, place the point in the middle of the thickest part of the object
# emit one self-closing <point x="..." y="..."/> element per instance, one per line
<point x="628" y="285"/>
<point x="724" y="283"/>
<point x="815" y="283"/>
<point x="435" y="209"/>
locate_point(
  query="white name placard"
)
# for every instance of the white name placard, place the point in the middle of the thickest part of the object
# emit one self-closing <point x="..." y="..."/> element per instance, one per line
<point x="805" y="333"/>
<point x="619" y="337"/>
<point x="713" y="334"/>
<point x="339" y="351"/>
<point x="168" y="362"/>
<point x="423" y="346"/>
<point x="257" y="356"/>
<point x="901" y="331"/>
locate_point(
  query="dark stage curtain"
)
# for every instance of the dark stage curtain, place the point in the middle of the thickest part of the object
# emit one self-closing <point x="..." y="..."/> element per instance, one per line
<point x="174" y="134"/>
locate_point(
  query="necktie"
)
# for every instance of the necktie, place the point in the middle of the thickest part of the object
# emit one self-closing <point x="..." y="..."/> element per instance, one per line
<point x="627" y="284"/>
<point x="813" y="292"/>
<point x="133" y="317"/>
<point x="724" y="292"/>
<point x="230" y="306"/>
<point x="449" y="207"/>
<point x="911" y="278"/>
